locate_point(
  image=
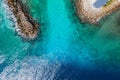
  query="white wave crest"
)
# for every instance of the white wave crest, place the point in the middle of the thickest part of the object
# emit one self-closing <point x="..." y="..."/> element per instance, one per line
<point x="30" y="69"/>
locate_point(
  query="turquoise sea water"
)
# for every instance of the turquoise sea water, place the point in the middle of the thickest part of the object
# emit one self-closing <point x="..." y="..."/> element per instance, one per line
<point x="66" y="49"/>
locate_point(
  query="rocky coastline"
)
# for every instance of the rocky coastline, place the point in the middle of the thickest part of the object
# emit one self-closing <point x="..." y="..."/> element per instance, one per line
<point x="87" y="12"/>
<point x="27" y="27"/>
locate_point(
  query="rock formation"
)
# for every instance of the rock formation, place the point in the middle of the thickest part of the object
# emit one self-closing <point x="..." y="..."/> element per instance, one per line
<point x="26" y="27"/>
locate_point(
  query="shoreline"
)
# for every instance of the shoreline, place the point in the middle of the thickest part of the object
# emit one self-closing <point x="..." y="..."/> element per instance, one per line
<point x="26" y="26"/>
<point x="88" y="13"/>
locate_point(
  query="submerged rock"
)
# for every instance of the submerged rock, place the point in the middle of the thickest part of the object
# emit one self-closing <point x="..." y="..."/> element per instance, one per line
<point x="26" y="27"/>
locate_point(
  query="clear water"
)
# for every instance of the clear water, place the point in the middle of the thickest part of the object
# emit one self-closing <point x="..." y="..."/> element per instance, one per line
<point x="66" y="48"/>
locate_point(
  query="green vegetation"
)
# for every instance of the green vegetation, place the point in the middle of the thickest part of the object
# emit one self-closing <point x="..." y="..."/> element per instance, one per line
<point x="108" y="3"/>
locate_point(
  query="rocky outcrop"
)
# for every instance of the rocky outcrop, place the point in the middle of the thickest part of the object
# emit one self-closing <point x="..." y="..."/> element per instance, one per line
<point x="87" y="12"/>
<point x="26" y="27"/>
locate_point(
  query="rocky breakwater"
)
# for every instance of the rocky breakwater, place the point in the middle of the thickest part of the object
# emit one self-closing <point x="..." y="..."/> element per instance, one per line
<point x="86" y="10"/>
<point x="26" y="27"/>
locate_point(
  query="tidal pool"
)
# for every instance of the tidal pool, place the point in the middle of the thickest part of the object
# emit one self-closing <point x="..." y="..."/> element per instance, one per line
<point x="100" y="3"/>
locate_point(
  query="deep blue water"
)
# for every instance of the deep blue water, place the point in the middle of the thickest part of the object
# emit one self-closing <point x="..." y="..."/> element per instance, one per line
<point x="66" y="48"/>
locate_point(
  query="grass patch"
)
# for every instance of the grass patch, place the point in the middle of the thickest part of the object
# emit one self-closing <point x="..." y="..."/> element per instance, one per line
<point x="108" y="3"/>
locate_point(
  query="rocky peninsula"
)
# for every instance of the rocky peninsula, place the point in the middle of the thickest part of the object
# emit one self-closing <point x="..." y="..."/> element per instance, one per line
<point x="26" y="27"/>
<point x="86" y="10"/>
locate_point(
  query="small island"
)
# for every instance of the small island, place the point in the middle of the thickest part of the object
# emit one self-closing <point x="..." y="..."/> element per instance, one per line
<point x="26" y="27"/>
<point x="93" y="10"/>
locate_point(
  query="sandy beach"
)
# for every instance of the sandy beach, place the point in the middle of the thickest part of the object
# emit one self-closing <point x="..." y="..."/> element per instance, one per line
<point x="86" y="11"/>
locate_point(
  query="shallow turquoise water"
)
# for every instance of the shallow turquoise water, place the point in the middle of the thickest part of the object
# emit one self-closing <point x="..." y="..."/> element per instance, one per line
<point x="59" y="26"/>
<point x="66" y="48"/>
